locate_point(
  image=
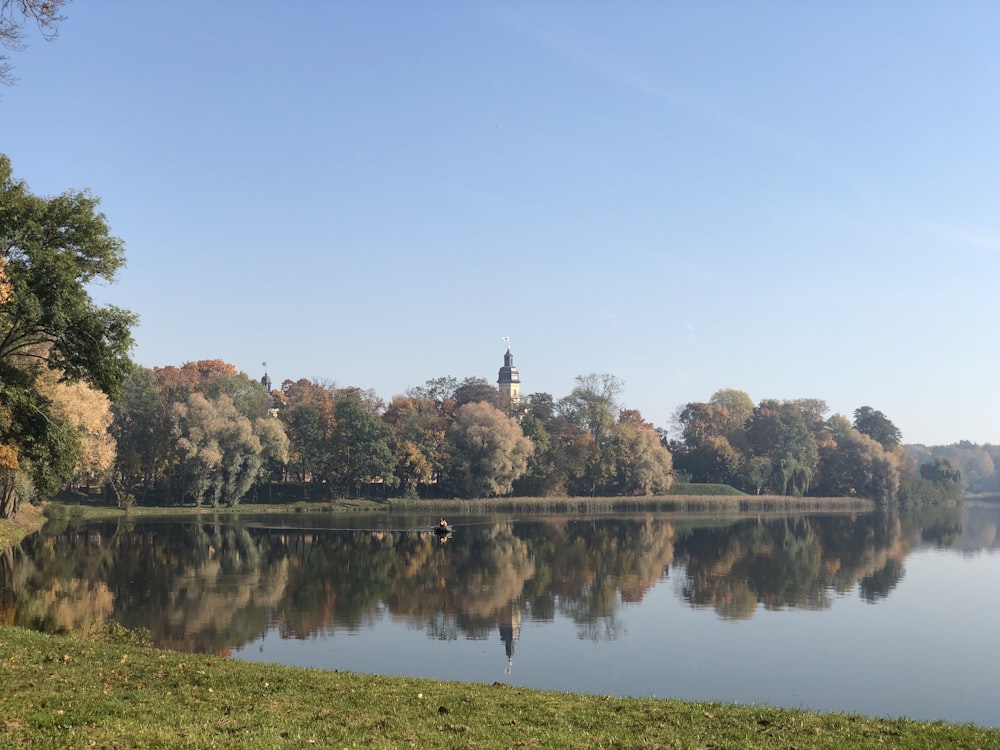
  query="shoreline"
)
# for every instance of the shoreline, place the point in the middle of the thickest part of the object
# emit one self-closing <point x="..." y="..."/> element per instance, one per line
<point x="31" y="518"/>
<point x="145" y="697"/>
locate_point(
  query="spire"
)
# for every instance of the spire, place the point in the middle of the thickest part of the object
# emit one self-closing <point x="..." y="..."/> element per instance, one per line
<point x="508" y="380"/>
<point x="266" y="380"/>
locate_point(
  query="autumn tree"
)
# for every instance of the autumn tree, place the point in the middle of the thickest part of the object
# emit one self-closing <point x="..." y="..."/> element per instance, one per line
<point x="592" y="407"/>
<point x="51" y="250"/>
<point x="489" y="451"/>
<point x="308" y="418"/>
<point x="89" y="412"/>
<point x="643" y="465"/>
<point x="852" y="463"/>
<point x="738" y="405"/>
<point x="221" y="451"/>
<point x="420" y="443"/>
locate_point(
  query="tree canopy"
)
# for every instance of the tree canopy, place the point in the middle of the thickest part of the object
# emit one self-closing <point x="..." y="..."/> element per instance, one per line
<point x="51" y="250"/>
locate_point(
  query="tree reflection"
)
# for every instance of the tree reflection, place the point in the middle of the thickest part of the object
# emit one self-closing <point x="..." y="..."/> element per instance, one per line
<point x="212" y="585"/>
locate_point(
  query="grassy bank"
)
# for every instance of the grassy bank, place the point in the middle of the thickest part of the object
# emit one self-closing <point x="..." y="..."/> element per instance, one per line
<point x="65" y="691"/>
<point x="28" y="520"/>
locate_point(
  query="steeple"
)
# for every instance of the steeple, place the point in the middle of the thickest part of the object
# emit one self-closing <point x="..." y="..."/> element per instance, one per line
<point x="508" y="381"/>
<point x="266" y="380"/>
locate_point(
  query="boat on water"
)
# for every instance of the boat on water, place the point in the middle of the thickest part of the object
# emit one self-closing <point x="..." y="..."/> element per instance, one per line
<point x="443" y="530"/>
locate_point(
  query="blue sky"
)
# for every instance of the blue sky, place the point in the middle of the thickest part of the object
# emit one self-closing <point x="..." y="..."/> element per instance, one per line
<point x="791" y="199"/>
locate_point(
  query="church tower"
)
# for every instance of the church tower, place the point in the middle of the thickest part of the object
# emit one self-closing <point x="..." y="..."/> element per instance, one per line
<point x="509" y="382"/>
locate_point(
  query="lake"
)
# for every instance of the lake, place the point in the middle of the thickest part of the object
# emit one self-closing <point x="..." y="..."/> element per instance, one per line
<point x="884" y="615"/>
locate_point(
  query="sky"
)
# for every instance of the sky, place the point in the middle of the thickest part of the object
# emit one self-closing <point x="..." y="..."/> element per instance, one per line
<point x="796" y="200"/>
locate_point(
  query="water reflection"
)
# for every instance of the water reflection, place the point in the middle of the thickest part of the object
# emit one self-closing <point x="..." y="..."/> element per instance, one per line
<point x="213" y="584"/>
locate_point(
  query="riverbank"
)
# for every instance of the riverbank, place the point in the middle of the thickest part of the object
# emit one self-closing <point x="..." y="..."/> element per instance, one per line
<point x="28" y="520"/>
<point x="31" y="518"/>
<point x="67" y="691"/>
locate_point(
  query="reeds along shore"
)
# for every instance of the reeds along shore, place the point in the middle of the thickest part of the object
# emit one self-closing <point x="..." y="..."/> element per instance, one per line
<point x="657" y="503"/>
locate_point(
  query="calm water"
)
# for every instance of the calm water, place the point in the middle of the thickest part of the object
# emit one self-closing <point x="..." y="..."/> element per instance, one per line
<point x="880" y="615"/>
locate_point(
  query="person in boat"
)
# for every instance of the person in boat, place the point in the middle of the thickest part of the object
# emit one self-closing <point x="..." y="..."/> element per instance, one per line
<point x="442" y="528"/>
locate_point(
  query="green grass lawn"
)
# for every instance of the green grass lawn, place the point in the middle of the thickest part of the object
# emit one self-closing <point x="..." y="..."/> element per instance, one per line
<point x="69" y="692"/>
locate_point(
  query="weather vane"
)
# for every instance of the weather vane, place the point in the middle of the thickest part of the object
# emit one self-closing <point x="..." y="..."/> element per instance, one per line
<point x="506" y="340"/>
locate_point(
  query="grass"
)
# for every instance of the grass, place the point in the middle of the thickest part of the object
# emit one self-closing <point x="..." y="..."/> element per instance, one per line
<point x="67" y="691"/>
<point x="688" y="488"/>
<point x="28" y="520"/>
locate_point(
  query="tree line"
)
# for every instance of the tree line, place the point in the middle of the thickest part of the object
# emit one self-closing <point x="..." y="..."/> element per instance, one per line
<point x="791" y="448"/>
<point x="203" y="432"/>
<point x="74" y="409"/>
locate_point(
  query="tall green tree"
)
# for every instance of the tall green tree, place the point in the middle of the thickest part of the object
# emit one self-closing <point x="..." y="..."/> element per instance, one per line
<point x="51" y="251"/>
<point x="361" y="444"/>
<point x="471" y="390"/>
<point x="781" y="432"/>
<point x="878" y="426"/>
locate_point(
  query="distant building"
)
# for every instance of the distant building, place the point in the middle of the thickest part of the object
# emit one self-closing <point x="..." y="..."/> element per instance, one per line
<point x="272" y="402"/>
<point x="509" y="382"/>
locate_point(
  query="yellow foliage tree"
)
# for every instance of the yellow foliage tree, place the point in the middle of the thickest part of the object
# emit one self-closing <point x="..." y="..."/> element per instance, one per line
<point x="9" y="466"/>
<point x="89" y="411"/>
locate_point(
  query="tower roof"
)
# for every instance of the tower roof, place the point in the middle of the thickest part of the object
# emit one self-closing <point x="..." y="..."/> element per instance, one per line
<point x="508" y="373"/>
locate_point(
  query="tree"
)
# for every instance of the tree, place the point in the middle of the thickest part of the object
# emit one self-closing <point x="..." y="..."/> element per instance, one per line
<point x="420" y="441"/>
<point x="361" y="452"/>
<point x="876" y="425"/>
<point x="940" y="483"/>
<point x="89" y="411"/>
<point x="714" y="460"/>
<point x="14" y="15"/>
<point x="51" y="250"/>
<point x="699" y="422"/>
<point x="644" y="466"/>
<point x="852" y="463"/>
<point x="940" y="470"/>
<point x="780" y="432"/>
<point x="737" y="403"/>
<point x="489" y="451"/>
<point x="220" y="451"/>
<point x="142" y="429"/>
<point x="472" y="390"/>
<point x="309" y="422"/>
<point x="592" y="406"/>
